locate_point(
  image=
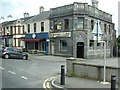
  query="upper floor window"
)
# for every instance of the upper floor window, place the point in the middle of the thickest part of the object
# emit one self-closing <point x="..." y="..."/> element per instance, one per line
<point x="23" y="28"/>
<point x="92" y="24"/>
<point x="55" y="25"/>
<point x="19" y="29"/>
<point x="42" y="26"/>
<point x="105" y="28"/>
<point x="66" y="24"/>
<point x="14" y="29"/>
<point x="7" y="28"/>
<point x="3" y="30"/>
<point x="34" y="27"/>
<point x="28" y="28"/>
<point x="81" y="23"/>
<point x="11" y="30"/>
<point x="109" y="29"/>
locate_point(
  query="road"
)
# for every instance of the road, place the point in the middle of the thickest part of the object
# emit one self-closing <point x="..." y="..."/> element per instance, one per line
<point x="17" y="73"/>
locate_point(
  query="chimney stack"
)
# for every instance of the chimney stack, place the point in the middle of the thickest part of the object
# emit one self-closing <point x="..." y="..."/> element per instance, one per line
<point x="95" y="3"/>
<point x="26" y="15"/>
<point x="41" y="9"/>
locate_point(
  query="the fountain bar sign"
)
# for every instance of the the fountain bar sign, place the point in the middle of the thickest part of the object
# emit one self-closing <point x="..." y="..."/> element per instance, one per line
<point x="60" y="34"/>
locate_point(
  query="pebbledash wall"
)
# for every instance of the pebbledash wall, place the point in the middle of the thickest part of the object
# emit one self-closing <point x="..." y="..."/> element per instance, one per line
<point x="72" y="27"/>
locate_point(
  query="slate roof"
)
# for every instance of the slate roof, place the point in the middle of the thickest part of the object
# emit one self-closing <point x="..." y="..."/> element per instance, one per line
<point x="14" y="21"/>
<point x="8" y="23"/>
<point x="42" y="16"/>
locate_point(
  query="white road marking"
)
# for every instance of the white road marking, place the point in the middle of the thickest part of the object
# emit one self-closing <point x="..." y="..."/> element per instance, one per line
<point x="46" y="84"/>
<point x="1" y="68"/>
<point x="24" y="77"/>
<point x="11" y="72"/>
<point x="53" y="81"/>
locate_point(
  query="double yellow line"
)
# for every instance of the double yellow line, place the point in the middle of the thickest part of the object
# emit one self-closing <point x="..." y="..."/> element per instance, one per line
<point x="47" y="83"/>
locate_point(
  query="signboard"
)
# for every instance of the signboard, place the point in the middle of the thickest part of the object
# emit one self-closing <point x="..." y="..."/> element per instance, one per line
<point x="97" y="33"/>
<point x="33" y="36"/>
<point x="60" y="34"/>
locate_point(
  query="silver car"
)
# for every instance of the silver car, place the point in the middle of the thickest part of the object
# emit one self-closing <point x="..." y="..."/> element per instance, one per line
<point x="10" y="52"/>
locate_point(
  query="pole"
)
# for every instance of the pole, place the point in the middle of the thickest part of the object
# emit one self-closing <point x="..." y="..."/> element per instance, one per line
<point x="62" y="75"/>
<point x="113" y="82"/>
<point x="104" y="62"/>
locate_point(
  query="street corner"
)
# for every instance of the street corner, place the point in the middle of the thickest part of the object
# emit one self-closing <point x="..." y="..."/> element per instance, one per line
<point x="52" y="83"/>
<point x="55" y="83"/>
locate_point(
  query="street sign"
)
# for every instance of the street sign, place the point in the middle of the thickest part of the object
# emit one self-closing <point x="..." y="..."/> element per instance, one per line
<point x="97" y="33"/>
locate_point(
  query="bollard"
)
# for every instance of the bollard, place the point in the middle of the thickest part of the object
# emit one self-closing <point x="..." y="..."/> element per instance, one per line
<point x="113" y="82"/>
<point x="62" y="75"/>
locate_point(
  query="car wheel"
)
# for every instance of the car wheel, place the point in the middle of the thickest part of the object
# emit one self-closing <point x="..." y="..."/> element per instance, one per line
<point x="7" y="56"/>
<point x="24" y="57"/>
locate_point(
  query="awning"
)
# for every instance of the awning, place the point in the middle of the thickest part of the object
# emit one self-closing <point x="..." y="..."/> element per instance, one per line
<point x="32" y="40"/>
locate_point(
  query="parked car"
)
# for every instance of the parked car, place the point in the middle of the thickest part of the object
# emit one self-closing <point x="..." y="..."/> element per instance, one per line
<point x="10" y="52"/>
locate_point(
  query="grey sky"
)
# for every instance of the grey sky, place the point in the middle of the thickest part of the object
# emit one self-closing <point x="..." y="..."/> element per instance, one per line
<point x="16" y="8"/>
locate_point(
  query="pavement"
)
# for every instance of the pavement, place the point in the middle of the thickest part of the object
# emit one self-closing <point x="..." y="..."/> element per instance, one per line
<point x="48" y="57"/>
<point x="77" y="82"/>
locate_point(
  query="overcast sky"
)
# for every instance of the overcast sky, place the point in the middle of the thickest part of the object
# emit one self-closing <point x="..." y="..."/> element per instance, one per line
<point x="16" y="8"/>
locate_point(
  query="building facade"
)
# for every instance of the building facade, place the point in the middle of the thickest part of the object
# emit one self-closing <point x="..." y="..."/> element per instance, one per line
<point x="76" y="28"/>
<point x="13" y="31"/>
<point x="37" y="33"/>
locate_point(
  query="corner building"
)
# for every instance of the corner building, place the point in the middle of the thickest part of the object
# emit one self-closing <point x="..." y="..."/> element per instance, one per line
<point x="73" y="27"/>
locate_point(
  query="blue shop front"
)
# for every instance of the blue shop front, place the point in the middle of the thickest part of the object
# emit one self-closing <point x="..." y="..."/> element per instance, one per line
<point x="37" y="41"/>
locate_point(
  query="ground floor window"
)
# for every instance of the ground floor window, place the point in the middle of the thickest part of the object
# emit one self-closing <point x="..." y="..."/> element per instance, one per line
<point x="31" y="45"/>
<point x="42" y="45"/>
<point x="15" y="42"/>
<point x="19" y="43"/>
<point x="63" y="45"/>
<point x="91" y="44"/>
<point x="98" y="45"/>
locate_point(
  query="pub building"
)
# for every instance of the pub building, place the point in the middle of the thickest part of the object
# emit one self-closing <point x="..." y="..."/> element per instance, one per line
<point x="75" y="27"/>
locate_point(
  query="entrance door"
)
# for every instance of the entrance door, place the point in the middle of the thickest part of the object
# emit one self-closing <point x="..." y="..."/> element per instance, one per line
<point x="80" y="50"/>
<point x="36" y="45"/>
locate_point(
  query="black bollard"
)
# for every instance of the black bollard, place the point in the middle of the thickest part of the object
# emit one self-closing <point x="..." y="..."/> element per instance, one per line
<point x="113" y="82"/>
<point x="62" y="75"/>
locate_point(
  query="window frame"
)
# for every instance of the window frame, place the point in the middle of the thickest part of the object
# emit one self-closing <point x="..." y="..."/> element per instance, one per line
<point x="35" y="27"/>
<point x="42" y="27"/>
<point x="63" y="47"/>
<point x="66" y="24"/>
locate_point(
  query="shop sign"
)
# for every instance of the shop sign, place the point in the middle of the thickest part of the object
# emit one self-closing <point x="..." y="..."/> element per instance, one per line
<point x="33" y="36"/>
<point x="60" y="34"/>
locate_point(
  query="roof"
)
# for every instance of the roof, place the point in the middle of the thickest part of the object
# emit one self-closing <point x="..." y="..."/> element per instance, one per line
<point x="6" y="23"/>
<point x="26" y="18"/>
<point x="42" y="16"/>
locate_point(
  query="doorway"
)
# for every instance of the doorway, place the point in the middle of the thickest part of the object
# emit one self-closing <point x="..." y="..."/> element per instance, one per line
<point x="52" y="48"/>
<point x="80" y="50"/>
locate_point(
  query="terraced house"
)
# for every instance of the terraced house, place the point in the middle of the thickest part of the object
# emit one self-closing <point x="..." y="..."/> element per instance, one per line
<point x="13" y="31"/>
<point x="29" y="33"/>
<point x="37" y="32"/>
<point x="76" y="29"/>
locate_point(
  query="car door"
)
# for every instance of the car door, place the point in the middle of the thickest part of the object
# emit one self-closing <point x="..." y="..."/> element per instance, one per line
<point x="11" y="52"/>
<point x="18" y="54"/>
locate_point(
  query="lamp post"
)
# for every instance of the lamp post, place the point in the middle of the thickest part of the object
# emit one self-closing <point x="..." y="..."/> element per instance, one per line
<point x="97" y="34"/>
